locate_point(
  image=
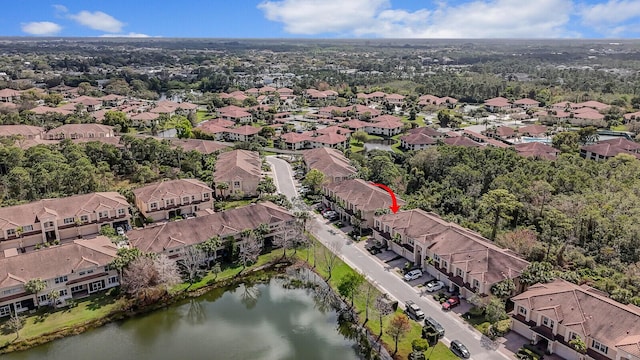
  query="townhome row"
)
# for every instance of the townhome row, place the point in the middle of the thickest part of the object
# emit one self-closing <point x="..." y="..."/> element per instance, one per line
<point x="79" y="268"/>
<point x="552" y="315"/>
<point x="465" y="261"/>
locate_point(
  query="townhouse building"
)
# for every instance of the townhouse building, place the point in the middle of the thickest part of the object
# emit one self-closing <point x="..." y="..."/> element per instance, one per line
<point x="356" y="201"/>
<point x="465" y="261"/>
<point x="73" y="270"/>
<point x="172" y="238"/>
<point x="173" y="198"/>
<point x="76" y="131"/>
<point x="241" y="170"/>
<point x="331" y="162"/>
<point x="48" y="220"/>
<point x="554" y="314"/>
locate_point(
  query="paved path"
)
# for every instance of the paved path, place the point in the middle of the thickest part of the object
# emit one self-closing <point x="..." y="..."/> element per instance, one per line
<point x="385" y="277"/>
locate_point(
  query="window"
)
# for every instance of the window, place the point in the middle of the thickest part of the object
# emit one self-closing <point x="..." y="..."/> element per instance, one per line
<point x="573" y="335"/>
<point x="27" y="228"/>
<point x="44" y="297"/>
<point x="522" y="311"/>
<point x="84" y="218"/>
<point x="18" y="306"/>
<point x="69" y="220"/>
<point x="121" y="211"/>
<point x="547" y="322"/>
<point x="476" y="284"/>
<point x="5" y="310"/>
<point x="153" y="206"/>
<point x="103" y="214"/>
<point x="445" y="265"/>
<point x="236" y="184"/>
<point x="205" y="196"/>
<point x="169" y="202"/>
<point x="48" y="224"/>
<point x="11" y="232"/>
<point x="77" y="288"/>
<point x="96" y="286"/>
<point x="386" y="228"/>
<point x="185" y="199"/>
<point x="61" y="279"/>
<point x="90" y="271"/>
<point x="112" y="280"/>
<point x="81" y="273"/>
<point x="63" y="292"/>
<point x="459" y="272"/>
<point x="598" y="346"/>
<point x="436" y="257"/>
<point x="410" y="241"/>
<point x="193" y="198"/>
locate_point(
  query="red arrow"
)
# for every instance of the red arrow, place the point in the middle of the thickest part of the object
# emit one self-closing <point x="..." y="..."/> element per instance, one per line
<point x="394" y="203"/>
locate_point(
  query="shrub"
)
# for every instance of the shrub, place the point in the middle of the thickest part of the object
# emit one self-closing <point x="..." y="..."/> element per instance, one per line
<point x="476" y="311"/>
<point x="501" y="327"/>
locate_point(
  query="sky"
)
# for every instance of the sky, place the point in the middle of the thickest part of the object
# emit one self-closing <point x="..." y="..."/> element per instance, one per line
<point x="324" y="18"/>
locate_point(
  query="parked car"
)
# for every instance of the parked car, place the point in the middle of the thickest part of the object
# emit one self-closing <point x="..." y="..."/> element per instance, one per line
<point x="431" y="322"/>
<point x="451" y="303"/>
<point x="120" y="230"/>
<point x="374" y="248"/>
<point x="413" y="274"/>
<point x="329" y="214"/>
<point x="459" y="349"/>
<point x="414" y="310"/>
<point x="433" y="285"/>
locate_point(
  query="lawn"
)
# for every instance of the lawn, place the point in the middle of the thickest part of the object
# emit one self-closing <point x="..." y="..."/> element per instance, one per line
<point x="45" y="321"/>
<point x="404" y="346"/>
<point x="356" y="146"/>
<point x="419" y="120"/>
<point x="232" y="204"/>
<point x="201" y="115"/>
<point x="619" y="128"/>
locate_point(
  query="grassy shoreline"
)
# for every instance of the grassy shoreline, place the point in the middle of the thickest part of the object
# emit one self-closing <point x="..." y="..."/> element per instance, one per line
<point x="45" y="326"/>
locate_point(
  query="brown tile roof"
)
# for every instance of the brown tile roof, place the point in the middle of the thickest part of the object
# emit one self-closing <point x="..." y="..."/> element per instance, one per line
<point x="386" y="122"/>
<point x="586" y="310"/>
<point x="219" y="122"/>
<point x="113" y="140"/>
<point x="526" y="101"/>
<point x="176" y="234"/>
<point x="498" y="102"/>
<point x="292" y="137"/>
<point x="459" y="246"/>
<point x="86" y="101"/>
<point x="9" y="93"/>
<point x="330" y="162"/>
<point x="60" y="208"/>
<point x="533" y="130"/>
<point x="236" y="164"/>
<point x="201" y="146"/>
<point x="632" y="116"/>
<point x="592" y="104"/>
<point x="24" y="130"/>
<point x="537" y="150"/>
<point x="425" y="130"/>
<point x="163" y="109"/>
<point x="70" y="129"/>
<point x="41" y="110"/>
<point x="212" y="128"/>
<point x="245" y="130"/>
<point x="170" y="189"/>
<point x="334" y="130"/>
<point x="362" y="194"/>
<point x="395" y="97"/>
<point x="56" y="261"/>
<point x="613" y="147"/>
<point x="461" y="141"/>
<point x="419" y="139"/>
<point x="330" y="139"/>
<point x="588" y="114"/>
<point x="355" y="124"/>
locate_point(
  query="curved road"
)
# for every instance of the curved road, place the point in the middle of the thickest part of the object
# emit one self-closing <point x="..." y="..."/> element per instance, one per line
<point x="384" y="278"/>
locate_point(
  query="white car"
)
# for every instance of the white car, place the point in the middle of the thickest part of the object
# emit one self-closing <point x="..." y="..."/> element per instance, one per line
<point x="120" y="231"/>
<point x="434" y="285"/>
<point x="413" y="274"/>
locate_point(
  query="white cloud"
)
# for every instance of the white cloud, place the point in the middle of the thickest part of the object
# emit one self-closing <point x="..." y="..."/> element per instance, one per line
<point x="98" y="20"/>
<point x="329" y="16"/>
<point x="129" y="35"/>
<point x="606" y="17"/>
<point x="41" y="28"/>
<point x="475" y="19"/>
<point x="60" y="9"/>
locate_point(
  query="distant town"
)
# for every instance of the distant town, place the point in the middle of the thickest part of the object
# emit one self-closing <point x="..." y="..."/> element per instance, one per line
<point x="516" y="167"/>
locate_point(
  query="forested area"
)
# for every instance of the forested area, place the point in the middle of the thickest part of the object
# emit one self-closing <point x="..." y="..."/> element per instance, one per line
<point x="66" y="169"/>
<point x="581" y="216"/>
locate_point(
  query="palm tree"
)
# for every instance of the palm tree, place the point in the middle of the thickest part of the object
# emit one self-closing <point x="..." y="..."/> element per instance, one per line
<point x="35" y="286"/>
<point x="221" y="187"/>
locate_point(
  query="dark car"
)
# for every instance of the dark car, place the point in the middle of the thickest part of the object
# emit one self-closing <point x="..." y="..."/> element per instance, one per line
<point x="459" y="349"/>
<point x="432" y="323"/>
<point x="414" y="310"/>
<point x="451" y="303"/>
<point x="374" y="248"/>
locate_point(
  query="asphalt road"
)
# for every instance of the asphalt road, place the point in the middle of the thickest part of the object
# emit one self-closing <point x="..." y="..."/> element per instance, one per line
<point x="385" y="278"/>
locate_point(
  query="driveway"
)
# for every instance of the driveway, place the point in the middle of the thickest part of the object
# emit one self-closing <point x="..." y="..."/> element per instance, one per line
<point x="387" y="280"/>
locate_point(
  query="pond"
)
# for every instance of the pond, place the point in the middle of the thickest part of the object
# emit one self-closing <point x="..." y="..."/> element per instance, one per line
<point x="265" y="321"/>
